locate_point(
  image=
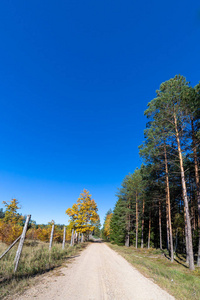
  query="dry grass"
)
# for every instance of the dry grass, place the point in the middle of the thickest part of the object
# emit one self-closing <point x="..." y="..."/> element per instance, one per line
<point x="175" y="277"/>
<point x="35" y="259"/>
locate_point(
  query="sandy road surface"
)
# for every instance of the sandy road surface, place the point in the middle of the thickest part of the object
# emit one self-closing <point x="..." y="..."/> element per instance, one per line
<point x="98" y="273"/>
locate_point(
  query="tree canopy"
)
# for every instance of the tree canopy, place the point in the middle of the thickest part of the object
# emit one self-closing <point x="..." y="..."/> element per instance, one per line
<point x="83" y="214"/>
<point x="159" y="203"/>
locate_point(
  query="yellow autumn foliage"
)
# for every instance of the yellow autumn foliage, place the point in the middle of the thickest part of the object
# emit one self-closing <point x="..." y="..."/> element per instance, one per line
<point x="107" y="225"/>
<point x="43" y="233"/>
<point x="83" y="214"/>
<point x="11" y="225"/>
<point x="9" y="232"/>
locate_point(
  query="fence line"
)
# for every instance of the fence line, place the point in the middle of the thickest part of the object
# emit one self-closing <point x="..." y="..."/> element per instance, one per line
<point x="75" y="238"/>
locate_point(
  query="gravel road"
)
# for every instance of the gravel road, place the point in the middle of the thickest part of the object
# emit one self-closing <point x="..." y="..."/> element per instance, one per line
<point x="98" y="273"/>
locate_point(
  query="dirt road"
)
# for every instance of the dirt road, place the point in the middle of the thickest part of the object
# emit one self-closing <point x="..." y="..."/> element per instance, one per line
<point x="98" y="273"/>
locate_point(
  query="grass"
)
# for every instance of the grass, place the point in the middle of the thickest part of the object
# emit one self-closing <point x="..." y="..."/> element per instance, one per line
<point x="96" y="237"/>
<point x="175" y="277"/>
<point x="35" y="259"/>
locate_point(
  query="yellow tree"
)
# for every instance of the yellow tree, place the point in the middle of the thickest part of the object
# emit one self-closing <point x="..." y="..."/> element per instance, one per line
<point x="83" y="214"/>
<point x="11" y="225"/>
<point x="11" y="214"/>
<point x="107" y="225"/>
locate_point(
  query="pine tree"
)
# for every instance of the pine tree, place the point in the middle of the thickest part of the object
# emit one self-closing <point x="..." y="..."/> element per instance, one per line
<point x="118" y="223"/>
<point x="166" y="110"/>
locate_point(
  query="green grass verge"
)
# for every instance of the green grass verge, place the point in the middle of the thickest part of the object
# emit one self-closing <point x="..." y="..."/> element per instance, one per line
<point x="175" y="277"/>
<point x="35" y="259"/>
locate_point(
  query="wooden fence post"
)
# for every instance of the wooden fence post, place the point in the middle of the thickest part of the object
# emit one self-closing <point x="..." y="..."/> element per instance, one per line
<point x="79" y="237"/>
<point x="75" y="237"/>
<point x="19" y="250"/>
<point x="51" y="238"/>
<point x="72" y="238"/>
<point x="64" y="234"/>
<point x="10" y="247"/>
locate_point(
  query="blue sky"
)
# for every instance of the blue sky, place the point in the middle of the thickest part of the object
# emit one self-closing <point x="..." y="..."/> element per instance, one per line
<point x="75" y="79"/>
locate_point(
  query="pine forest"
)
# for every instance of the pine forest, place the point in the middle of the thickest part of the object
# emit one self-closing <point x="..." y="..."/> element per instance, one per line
<point x="159" y="203"/>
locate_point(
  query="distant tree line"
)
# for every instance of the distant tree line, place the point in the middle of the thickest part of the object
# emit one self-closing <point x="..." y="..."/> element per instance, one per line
<point x="11" y="226"/>
<point x="83" y="219"/>
<point x="159" y="204"/>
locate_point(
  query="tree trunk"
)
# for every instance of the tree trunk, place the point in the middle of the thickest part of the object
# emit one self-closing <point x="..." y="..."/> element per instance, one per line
<point x="127" y="238"/>
<point x="149" y="234"/>
<point x="136" y="242"/>
<point x="185" y="197"/>
<point x="176" y="241"/>
<point x="167" y="224"/>
<point x="168" y="207"/>
<point x="192" y="201"/>
<point x="197" y="183"/>
<point x="160" y="224"/>
<point x="142" y="237"/>
<point x="186" y="239"/>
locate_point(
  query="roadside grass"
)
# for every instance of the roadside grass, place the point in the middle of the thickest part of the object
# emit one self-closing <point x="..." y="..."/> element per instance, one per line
<point x="35" y="259"/>
<point x="175" y="277"/>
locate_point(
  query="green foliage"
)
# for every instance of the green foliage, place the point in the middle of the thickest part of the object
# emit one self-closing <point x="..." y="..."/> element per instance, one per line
<point x="175" y="111"/>
<point x="2" y="213"/>
<point x="11" y="214"/>
<point x="118" y="223"/>
<point x="124" y="214"/>
<point x="97" y="229"/>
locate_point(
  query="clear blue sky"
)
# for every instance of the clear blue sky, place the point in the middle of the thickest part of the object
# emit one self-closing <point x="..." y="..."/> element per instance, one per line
<point x="75" y="79"/>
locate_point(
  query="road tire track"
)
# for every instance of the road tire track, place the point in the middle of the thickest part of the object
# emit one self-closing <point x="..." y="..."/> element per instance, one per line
<point x="98" y="273"/>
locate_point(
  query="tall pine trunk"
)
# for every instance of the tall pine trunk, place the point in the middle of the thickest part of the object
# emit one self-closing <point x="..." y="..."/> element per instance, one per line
<point x="127" y="238"/>
<point x="160" y="224"/>
<point x="186" y="239"/>
<point x="185" y="197"/>
<point x="149" y="234"/>
<point x="167" y="223"/>
<point x="176" y="241"/>
<point x="197" y="183"/>
<point x="136" y="242"/>
<point x="168" y="207"/>
<point x="142" y="237"/>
